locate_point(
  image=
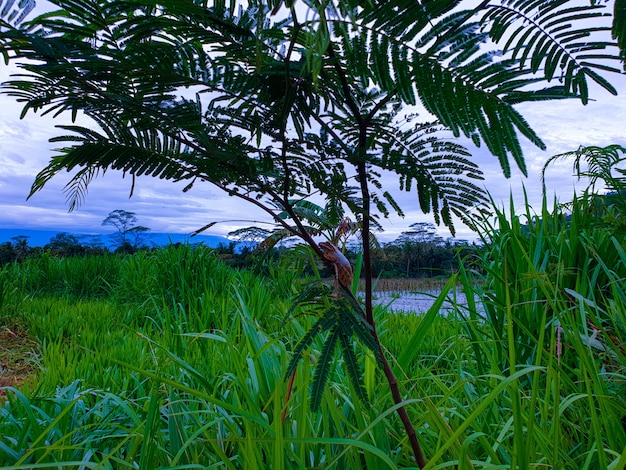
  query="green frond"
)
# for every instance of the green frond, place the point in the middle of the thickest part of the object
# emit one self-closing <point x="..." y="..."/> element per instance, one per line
<point x="323" y="368"/>
<point x="76" y="189"/>
<point x="306" y="210"/>
<point x="392" y="202"/>
<point x="470" y="88"/>
<point x="619" y="28"/>
<point x="324" y="324"/>
<point x="403" y="76"/>
<point x="405" y="19"/>
<point x="556" y="39"/>
<point x="352" y="322"/>
<point x="352" y="366"/>
<point x="440" y="171"/>
<point x="15" y="12"/>
<point x="309" y="298"/>
<point x="459" y="106"/>
<point x="602" y="164"/>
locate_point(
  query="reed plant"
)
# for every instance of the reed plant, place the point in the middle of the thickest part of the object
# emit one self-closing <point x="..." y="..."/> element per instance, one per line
<point x="82" y="277"/>
<point x="553" y="296"/>
<point x="8" y="290"/>
<point x="402" y="285"/>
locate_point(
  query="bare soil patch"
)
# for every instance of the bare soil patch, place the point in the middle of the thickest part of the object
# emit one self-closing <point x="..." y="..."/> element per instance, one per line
<point x="16" y="353"/>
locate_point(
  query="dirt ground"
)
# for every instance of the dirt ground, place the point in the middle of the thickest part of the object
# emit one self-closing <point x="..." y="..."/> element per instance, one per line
<point x="16" y="353"/>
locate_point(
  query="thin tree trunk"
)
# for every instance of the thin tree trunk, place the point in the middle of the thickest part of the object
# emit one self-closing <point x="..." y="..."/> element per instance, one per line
<point x="391" y="378"/>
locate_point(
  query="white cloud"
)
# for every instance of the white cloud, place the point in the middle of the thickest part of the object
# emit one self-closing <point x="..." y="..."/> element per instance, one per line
<point x="162" y="206"/>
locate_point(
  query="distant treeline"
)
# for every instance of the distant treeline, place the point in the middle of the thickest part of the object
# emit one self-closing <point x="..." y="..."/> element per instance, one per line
<point x="417" y="253"/>
<point x="68" y="245"/>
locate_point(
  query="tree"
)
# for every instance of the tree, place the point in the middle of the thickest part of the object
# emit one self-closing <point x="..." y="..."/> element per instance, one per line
<point x="295" y="101"/>
<point x="250" y="237"/>
<point x="93" y="243"/>
<point x="21" y="247"/>
<point x="138" y="235"/>
<point x="124" y="222"/>
<point x="413" y="242"/>
<point x="66" y="244"/>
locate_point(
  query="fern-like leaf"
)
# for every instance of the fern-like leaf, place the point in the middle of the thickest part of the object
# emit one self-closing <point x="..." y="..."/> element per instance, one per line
<point x="322" y="371"/>
<point x="15" y="12"/>
<point x="324" y="324"/>
<point x="352" y="366"/>
<point x="619" y="28"/>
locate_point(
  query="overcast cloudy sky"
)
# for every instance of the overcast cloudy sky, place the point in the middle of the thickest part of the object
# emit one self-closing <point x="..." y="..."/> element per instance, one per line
<point x="163" y="207"/>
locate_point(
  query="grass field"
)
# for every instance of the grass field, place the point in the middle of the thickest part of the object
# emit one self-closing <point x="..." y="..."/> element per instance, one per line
<point x="171" y="359"/>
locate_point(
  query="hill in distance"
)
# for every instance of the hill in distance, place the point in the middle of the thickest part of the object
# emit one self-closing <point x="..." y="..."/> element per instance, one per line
<point x="42" y="237"/>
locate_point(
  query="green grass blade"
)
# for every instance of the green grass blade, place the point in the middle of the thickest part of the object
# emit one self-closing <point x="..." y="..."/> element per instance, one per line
<point x="412" y="347"/>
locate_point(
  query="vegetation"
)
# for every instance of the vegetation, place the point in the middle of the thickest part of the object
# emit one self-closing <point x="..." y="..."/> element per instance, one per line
<point x="292" y="103"/>
<point x="430" y="257"/>
<point x="172" y="359"/>
<point x="129" y="236"/>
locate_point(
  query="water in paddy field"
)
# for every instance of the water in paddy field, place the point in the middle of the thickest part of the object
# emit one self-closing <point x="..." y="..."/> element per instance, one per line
<point x="418" y="302"/>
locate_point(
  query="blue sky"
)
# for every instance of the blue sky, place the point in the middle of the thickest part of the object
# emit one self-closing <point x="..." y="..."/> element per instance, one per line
<point x="163" y="207"/>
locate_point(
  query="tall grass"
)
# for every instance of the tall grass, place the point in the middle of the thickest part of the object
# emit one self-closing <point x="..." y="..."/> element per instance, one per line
<point x="192" y="353"/>
<point x="554" y="296"/>
<point x="176" y="361"/>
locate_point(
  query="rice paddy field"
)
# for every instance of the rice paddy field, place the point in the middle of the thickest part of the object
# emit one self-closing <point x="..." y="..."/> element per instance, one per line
<point x="172" y="359"/>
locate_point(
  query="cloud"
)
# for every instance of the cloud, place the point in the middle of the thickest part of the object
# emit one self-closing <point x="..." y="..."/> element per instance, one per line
<point x="163" y="207"/>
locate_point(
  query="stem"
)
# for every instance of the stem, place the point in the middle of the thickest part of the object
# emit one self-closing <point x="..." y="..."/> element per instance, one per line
<point x="361" y="167"/>
<point x="402" y="413"/>
<point x="365" y="236"/>
<point x="369" y="316"/>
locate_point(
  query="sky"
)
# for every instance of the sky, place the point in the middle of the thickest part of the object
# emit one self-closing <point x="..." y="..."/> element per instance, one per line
<point x="163" y="207"/>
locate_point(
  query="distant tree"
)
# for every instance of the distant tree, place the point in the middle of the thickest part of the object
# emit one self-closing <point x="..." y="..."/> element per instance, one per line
<point x="226" y="252"/>
<point x="138" y="236"/>
<point x="7" y="253"/>
<point x="126" y="247"/>
<point x="65" y="244"/>
<point x="127" y="230"/>
<point x="249" y="236"/>
<point x="93" y="242"/>
<point x="414" y="242"/>
<point x="427" y="253"/>
<point x="20" y="246"/>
